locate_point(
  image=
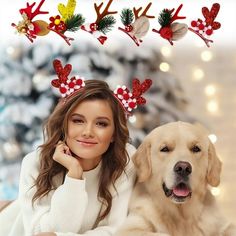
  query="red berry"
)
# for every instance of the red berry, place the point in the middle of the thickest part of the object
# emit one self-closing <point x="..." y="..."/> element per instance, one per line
<point x="201" y="26"/>
<point x="71" y="85"/>
<point x="120" y="91"/>
<point x="166" y="33"/>
<point x="93" y="26"/>
<point x="132" y="105"/>
<point x="126" y="96"/>
<point x="129" y="28"/>
<point x="209" y="32"/>
<point x="194" y="23"/>
<point x="63" y="89"/>
<point x="79" y="82"/>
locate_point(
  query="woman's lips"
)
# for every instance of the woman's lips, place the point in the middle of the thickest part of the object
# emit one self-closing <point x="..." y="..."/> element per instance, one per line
<point x="86" y="143"/>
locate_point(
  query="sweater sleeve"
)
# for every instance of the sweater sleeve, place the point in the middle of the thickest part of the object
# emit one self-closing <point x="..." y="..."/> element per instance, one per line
<point x="119" y="210"/>
<point x="61" y="210"/>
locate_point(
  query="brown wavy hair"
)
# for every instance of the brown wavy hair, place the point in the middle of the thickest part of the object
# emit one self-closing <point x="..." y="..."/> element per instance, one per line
<point x="114" y="159"/>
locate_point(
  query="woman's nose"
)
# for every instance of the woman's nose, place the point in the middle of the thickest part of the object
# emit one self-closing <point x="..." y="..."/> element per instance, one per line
<point x="88" y="131"/>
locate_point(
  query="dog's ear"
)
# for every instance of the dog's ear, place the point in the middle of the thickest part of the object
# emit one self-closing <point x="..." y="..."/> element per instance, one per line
<point x="142" y="161"/>
<point x="214" y="166"/>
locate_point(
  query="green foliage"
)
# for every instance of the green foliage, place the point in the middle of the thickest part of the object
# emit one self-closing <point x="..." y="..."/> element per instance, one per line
<point x="106" y="24"/>
<point x="73" y="24"/>
<point x="164" y="18"/>
<point x="127" y="16"/>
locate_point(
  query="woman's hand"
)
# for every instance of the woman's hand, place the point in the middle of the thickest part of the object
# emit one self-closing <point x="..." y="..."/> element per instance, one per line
<point x="63" y="156"/>
<point x="46" y="234"/>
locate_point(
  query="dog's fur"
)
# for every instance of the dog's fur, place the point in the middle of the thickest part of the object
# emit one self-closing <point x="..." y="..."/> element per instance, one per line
<point x="175" y="164"/>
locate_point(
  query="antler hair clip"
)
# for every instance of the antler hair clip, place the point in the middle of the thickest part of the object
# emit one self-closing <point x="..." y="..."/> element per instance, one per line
<point x="59" y="24"/>
<point x="139" y="28"/>
<point x="130" y="100"/>
<point x="31" y="29"/>
<point x="66" y="21"/>
<point x="205" y="29"/>
<point x="103" y="23"/>
<point x="66" y="86"/>
<point x="169" y="30"/>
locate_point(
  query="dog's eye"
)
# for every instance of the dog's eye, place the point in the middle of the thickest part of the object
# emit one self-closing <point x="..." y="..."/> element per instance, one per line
<point x="195" y="149"/>
<point x="165" y="149"/>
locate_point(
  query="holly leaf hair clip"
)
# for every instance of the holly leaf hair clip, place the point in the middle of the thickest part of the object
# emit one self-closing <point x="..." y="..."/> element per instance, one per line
<point x="205" y="28"/>
<point x="136" y="26"/>
<point x="169" y="30"/>
<point x="66" y="21"/>
<point x="28" y="26"/>
<point x="103" y="24"/>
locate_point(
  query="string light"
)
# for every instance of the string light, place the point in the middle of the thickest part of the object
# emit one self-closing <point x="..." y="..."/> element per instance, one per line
<point x="213" y="138"/>
<point x="215" y="191"/>
<point x="198" y="74"/>
<point x="166" y="51"/>
<point x="212" y="106"/>
<point x="210" y="90"/>
<point x="164" y="66"/>
<point x="206" y="55"/>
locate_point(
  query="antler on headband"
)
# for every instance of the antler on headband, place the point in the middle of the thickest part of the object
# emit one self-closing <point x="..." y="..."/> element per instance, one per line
<point x="129" y="100"/>
<point x="66" y="85"/>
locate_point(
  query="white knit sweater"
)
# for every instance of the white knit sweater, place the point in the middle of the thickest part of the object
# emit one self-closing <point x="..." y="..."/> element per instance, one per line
<point x="71" y="209"/>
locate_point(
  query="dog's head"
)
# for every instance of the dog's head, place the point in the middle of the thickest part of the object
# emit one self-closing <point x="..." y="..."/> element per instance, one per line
<point x="177" y="160"/>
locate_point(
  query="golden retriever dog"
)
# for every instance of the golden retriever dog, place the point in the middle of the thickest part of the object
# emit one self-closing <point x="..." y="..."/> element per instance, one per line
<point x="175" y="164"/>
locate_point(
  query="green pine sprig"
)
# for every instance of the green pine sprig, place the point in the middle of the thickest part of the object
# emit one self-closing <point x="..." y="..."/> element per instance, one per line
<point x="164" y="18"/>
<point x="74" y="22"/>
<point x="127" y="16"/>
<point x="106" y="24"/>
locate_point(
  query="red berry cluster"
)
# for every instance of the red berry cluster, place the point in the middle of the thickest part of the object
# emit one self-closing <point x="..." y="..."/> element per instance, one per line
<point x="125" y="97"/>
<point x="201" y="27"/>
<point x="71" y="85"/>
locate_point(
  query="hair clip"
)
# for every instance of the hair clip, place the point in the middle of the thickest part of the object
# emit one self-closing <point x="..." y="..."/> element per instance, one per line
<point x="66" y="86"/>
<point x="31" y="29"/>
<point x="103" y="23"/>
<point x="205" y="29"/>
<point x="169" y="30"/>
<point x="130" y="100"/>
<point x="66" y="21"/>
<point x="59" y="24"/>
<point x="139" y="28"/>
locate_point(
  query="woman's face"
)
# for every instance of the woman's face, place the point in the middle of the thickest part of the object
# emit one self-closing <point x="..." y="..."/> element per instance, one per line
<point x="90" y="131"/>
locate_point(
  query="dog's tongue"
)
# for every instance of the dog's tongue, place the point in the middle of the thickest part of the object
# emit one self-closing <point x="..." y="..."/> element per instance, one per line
<point x="181" y="192"/>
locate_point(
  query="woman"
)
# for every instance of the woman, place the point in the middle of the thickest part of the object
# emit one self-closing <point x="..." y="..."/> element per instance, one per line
<point x="80" y="180"/>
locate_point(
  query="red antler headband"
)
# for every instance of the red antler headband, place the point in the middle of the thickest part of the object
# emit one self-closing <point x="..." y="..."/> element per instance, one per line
<point x="128" y="100"/>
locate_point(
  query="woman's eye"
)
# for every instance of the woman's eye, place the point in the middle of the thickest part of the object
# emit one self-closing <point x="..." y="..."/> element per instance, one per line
<point x="165" y="149"/>
<point x="78" y="121"/>
<point x="195" y="149"/>
<point x="102" y="124"/>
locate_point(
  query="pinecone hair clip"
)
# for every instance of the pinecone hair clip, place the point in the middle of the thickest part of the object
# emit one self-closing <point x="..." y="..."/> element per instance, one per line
<point x="205" y="28"/>
<point x="103" y="24"/>
<point x="169" y="30"/>
<point x="136" y="26"/>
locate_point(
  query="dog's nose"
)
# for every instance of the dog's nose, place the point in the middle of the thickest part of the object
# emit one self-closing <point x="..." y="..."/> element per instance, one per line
<point x="183" y="168"/>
